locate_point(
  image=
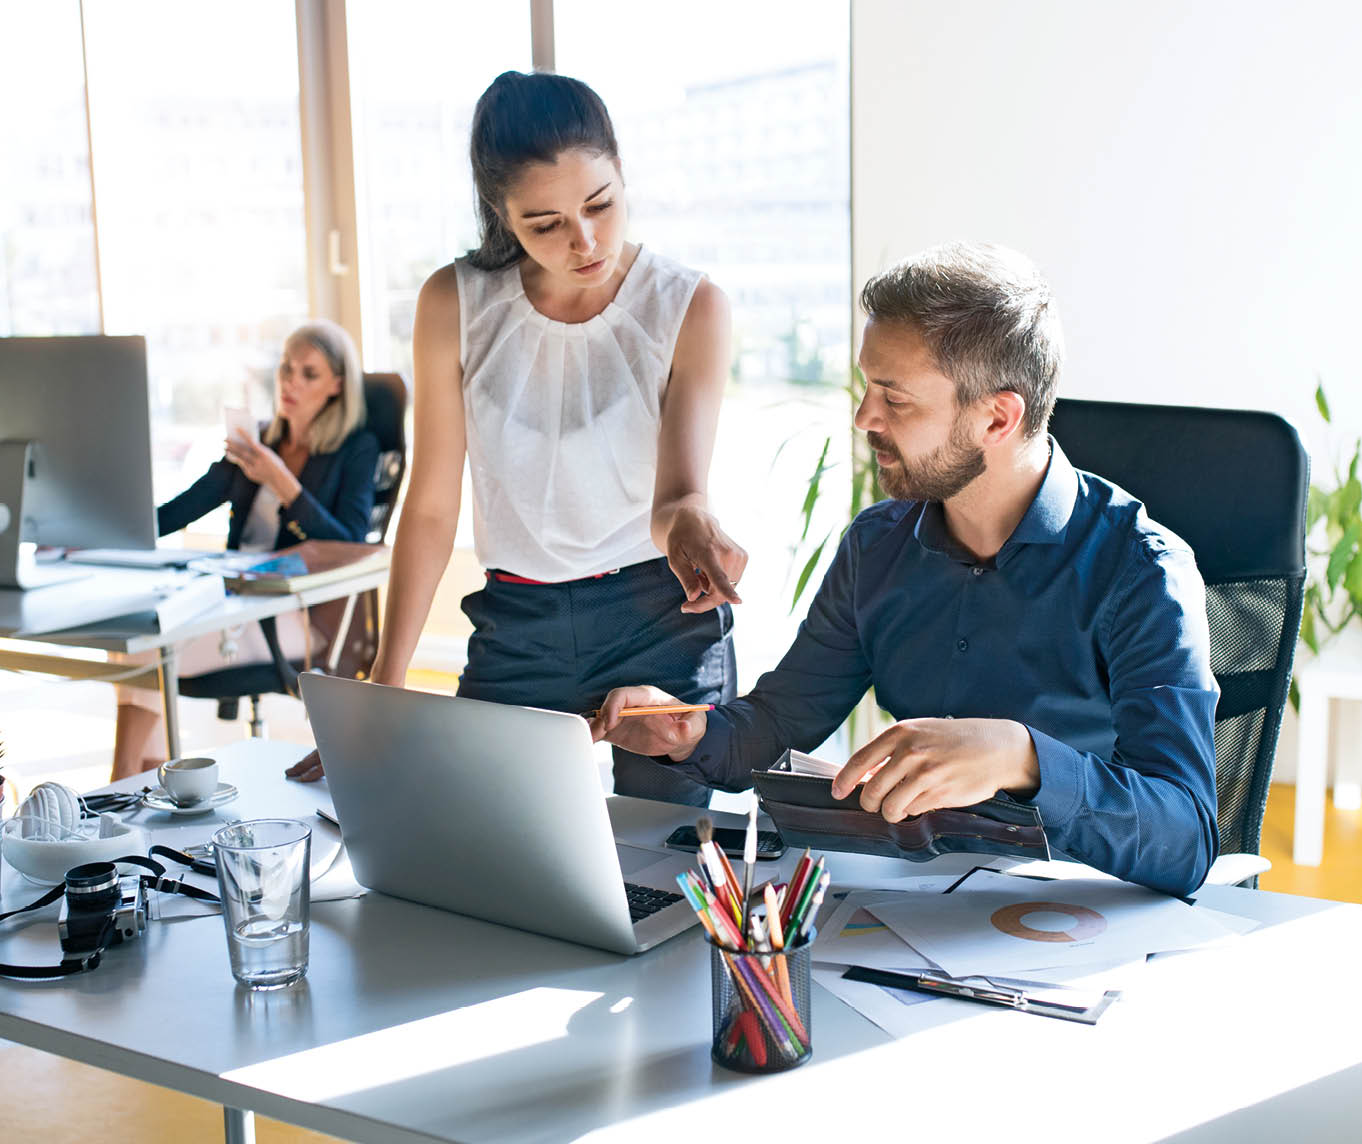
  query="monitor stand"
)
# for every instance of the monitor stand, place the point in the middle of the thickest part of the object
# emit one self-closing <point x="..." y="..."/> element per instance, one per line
<point x="18" y="568"/>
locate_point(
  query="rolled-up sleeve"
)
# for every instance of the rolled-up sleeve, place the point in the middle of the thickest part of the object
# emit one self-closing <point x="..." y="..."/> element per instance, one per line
<point x="1147" y="813"/>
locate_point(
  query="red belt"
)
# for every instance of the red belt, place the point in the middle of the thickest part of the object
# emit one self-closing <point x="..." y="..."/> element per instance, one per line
<point x="511" y="578"/>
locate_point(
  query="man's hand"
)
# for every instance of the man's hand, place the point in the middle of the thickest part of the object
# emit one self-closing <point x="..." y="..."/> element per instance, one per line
<point x="673" y="735"/>
<point x="925" y="764"/>
<point x="308" y="769"/>
<point x="263" y="465"/>
<point x="706" y="561"/>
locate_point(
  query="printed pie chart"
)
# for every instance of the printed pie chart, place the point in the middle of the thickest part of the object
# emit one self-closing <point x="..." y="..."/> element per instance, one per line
<point x="1074" y="923"/>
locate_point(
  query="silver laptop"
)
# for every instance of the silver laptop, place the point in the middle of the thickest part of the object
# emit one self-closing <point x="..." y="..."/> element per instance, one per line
<point x="485" y="809"/>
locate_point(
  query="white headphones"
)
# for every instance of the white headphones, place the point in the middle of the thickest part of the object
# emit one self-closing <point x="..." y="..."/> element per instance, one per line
<point x="51" y="813"/>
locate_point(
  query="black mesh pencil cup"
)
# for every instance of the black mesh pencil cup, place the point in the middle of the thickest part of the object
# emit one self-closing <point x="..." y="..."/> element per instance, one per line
<point x="761" y="1009"/>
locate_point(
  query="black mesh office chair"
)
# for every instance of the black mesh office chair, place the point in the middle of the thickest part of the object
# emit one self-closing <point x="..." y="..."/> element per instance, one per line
<point x="351" y="623"/>
<point x="1233" y="485"/>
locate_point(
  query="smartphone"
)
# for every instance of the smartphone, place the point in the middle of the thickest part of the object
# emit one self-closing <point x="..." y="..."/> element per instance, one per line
<point x="240" y="421"/>
<point x="730" y="840"/>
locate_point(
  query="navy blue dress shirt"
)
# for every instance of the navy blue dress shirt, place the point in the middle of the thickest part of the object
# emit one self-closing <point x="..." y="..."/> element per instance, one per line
<point x="1088" y="627"/>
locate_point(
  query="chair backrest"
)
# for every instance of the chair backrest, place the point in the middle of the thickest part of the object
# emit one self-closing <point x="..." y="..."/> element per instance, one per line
<point x="1233" y="485"/>
<point x="385" y="402"/>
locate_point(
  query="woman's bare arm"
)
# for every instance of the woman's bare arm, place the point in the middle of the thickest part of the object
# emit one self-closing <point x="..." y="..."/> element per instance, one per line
<point x="430" y="513"/>
<point x="702" y="557"/>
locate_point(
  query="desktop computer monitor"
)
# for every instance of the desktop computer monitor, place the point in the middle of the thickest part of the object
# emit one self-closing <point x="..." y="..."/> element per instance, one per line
<point x="75" y="449"/>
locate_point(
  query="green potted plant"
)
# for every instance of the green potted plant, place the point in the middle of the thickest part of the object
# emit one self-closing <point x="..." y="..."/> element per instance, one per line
<point x="1333" y="593"/>
<point x="865" y="491"/>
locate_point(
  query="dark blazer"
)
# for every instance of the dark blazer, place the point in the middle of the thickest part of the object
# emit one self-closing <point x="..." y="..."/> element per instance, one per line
<point x="337" y="495"/>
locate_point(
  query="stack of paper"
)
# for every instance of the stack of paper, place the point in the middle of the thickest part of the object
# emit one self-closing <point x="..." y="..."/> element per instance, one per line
<point x="802" y="764"/>
<point x="1093" y="932"/>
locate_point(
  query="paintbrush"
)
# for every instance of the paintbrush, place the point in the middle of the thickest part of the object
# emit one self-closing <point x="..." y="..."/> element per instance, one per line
<point x="749" y="858"/>
<point x="704" y="831"/>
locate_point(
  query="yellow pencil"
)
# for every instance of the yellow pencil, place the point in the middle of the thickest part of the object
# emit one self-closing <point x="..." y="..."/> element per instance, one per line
<point x="661" y="709"/>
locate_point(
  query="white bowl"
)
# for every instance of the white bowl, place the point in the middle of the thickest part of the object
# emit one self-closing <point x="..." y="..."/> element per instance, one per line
<point x="47" y="862"/>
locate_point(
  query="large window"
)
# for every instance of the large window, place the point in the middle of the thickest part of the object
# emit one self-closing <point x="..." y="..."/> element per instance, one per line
<point x="733" y="129"/>
<point x="198" y="178"/>
<point x="733" y="122"/>
<point x="416" y="69"/>
<point x="47" y="247"/>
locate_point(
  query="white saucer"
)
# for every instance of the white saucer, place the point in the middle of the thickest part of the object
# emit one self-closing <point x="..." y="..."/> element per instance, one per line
<point x="158" y="799"/>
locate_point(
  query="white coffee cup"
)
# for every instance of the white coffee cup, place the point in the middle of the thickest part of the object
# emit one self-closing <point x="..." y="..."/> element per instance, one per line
<point x="189" y="781"/>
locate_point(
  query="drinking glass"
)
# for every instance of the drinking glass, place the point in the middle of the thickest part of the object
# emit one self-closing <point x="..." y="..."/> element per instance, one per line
<point x="263" y="882"/>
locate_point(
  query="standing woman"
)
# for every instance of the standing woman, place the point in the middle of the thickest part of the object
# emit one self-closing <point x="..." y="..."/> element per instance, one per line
<point x="582" y="376"/>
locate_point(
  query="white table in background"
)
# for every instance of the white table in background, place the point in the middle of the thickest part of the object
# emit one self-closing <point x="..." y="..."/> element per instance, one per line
<point x="415" y="1025"/>
<point x="121" y="634"/>
<point x="1336" y="673"/>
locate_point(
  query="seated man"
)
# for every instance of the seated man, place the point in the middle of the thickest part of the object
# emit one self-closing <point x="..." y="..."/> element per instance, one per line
<point x="1030" y="628"/>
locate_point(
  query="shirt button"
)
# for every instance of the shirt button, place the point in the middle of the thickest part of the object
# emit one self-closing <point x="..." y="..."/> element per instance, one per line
<point x="962" y="645"/>
<point x="977" y="570"/>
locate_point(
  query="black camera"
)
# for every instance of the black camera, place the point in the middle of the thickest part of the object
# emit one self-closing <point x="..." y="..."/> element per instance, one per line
<point x="100" y="909"/>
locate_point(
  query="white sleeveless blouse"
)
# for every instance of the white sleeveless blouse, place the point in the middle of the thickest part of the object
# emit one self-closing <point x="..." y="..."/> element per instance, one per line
<point x="563" y="419"/>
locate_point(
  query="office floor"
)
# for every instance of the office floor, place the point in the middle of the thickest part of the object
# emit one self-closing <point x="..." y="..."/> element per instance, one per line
<point x="36" y="1097"/>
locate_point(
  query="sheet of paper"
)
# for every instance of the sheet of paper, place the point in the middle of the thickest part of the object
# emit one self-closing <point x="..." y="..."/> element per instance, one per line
<point x="852" y="935"/>
<point x="1005" y="925"/>
<point x="331" y="878"/>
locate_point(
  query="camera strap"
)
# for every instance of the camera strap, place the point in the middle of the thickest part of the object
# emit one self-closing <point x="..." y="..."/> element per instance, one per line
<point x="157" y="880"/>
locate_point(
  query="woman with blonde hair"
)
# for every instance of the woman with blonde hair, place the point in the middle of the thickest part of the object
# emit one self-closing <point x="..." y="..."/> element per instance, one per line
<point x="310" y="476"/>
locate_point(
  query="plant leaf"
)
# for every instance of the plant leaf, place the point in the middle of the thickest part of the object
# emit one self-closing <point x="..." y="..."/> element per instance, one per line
<point x="1316" y="506"/>
<point x="815" y="481"/>
<point x="1342" y="555"/>
<point x="1294" y="694"/>
<point x="1308" y="636"/>
<point x="1321" y="402"/>
<point x="807" y="572"/>
<point x="1349" y="501"/>
<point x="1352" y="579"/>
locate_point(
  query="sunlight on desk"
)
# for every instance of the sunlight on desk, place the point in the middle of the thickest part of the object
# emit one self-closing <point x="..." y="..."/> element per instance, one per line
<point x="501" y="1025"/>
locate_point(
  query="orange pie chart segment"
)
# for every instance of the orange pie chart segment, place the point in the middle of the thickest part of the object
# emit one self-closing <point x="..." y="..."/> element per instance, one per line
<point x="1086" y="923"/>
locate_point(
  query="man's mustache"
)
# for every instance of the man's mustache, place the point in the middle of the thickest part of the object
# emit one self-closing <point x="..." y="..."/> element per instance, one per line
<point x="881" y="444"/>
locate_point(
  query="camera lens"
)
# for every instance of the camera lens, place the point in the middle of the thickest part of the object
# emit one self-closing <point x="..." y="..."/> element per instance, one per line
<point x="93" y="886"/>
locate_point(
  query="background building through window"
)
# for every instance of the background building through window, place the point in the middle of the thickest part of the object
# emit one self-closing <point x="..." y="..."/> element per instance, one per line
<point x="47" y="241"/>
<point x="198" y="179"/>
<point x="735" y="153"/>
<point x="417" y="68"/>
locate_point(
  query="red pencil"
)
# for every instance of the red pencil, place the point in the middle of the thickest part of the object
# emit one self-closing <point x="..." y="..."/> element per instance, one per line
<point x="792" y="891"/>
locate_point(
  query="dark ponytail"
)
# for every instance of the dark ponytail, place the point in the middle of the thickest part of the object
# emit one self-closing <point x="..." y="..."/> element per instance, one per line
<point x="523" y="119"/>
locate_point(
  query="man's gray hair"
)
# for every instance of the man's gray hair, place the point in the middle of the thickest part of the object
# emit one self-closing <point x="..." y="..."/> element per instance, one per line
<point x="986" y="314"/>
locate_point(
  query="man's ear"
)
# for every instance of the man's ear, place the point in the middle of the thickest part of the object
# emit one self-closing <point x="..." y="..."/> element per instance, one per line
<point x="1007" y="409"/>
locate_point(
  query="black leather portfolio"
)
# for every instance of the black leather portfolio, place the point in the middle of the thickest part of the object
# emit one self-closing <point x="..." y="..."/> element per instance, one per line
<point x="806" y="814"/>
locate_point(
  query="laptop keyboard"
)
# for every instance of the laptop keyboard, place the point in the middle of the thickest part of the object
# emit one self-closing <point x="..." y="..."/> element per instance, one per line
<point x="644" y="901"/>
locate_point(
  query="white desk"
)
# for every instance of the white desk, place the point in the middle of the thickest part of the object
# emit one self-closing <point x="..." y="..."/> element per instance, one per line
<point x="415" y="1025"/>
<point x="121" y="635"/>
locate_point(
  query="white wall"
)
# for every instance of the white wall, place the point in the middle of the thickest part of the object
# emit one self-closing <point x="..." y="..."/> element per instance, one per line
<point x="1188" y="173"/>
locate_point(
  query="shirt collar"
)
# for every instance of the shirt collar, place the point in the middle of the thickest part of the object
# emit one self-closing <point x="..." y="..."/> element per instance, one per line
<point x="1045" y="522"/>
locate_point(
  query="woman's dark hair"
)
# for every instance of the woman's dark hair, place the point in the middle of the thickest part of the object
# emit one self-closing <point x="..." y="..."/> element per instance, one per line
<point x="523" y="119"/>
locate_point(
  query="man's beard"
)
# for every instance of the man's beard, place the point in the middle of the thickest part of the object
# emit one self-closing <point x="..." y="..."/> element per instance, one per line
<point x="936" y="477"/>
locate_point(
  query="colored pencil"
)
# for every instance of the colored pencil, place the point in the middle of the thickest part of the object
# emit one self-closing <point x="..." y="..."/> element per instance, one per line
<point x="792" y="891"/>
<point x="806" y="892"/>
<point x="660" y="709"/>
